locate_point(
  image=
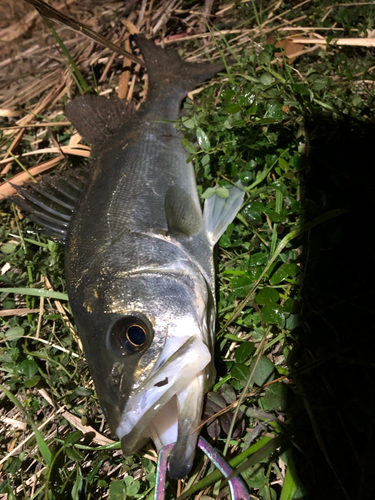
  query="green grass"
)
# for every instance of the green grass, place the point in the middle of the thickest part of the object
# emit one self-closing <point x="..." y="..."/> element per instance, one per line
<point x="258" y="126"/>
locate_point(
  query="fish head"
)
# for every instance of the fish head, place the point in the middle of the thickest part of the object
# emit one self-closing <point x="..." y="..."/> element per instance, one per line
<point x="147" y="335"/>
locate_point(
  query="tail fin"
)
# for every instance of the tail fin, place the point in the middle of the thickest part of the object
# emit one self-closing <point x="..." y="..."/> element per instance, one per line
<point x="166" y="68"/>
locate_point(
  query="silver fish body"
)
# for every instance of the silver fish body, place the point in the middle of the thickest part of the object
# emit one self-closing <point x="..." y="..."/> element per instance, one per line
<point x="139" y="264"/>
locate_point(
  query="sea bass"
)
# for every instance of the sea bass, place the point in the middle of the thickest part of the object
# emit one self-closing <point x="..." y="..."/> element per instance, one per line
<point x="139" y="260"/>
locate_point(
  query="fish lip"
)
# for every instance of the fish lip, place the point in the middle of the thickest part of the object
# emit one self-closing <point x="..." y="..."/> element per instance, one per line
<point x="172" y="378"/>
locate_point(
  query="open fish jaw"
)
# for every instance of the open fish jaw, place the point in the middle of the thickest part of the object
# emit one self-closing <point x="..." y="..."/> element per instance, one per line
<point x="167" y="408"/>
<point x="176" y="423"/>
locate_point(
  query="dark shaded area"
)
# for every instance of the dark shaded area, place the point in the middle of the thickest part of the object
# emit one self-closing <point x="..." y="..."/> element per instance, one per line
<point x="336" y="339"/>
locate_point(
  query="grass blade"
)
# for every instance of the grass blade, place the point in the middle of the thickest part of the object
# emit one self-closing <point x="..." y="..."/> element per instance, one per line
<point x="83" y="87"/>
<point x="36" y="292"/>
<point x="259" y="451"/>
<point x="42" y="445"/>
<point x="73" y="24"/>
<point x="289" y="237"/>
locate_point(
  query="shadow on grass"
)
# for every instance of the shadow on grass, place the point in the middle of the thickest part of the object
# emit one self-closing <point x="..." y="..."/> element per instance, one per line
<point x="336" y="339"/>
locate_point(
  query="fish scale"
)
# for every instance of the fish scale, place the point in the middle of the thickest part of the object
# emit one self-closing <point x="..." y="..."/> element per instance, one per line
<point x="141" y="193"/>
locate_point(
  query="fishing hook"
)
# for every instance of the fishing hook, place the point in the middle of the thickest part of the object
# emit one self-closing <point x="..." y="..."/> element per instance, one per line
<point x="237" y="488"/>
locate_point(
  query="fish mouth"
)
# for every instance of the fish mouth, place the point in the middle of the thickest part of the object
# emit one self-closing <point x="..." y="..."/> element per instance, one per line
<point x="168" y="406"/>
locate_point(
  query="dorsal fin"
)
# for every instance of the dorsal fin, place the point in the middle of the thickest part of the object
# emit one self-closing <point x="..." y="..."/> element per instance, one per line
<point x="167" y="69"/>
<point x="50" y="203"/>
<point x="97" y="117"/>
<point x="183" y="216"/>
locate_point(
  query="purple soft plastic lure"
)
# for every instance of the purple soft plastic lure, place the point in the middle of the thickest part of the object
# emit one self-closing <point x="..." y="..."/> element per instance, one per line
<point x="238" y="490"/>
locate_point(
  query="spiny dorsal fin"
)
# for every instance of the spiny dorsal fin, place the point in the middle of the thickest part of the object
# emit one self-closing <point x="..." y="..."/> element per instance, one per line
<point x="183" y="216"/>
<point x="97" y="117"/>
<point x="50" y="203"/>
<point x="219" y="212"/>
<point x="167" y="69"/>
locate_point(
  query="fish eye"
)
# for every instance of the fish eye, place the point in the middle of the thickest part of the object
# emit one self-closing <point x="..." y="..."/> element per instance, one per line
<point x="136" y="335"/>
<point x="132" y="334"/>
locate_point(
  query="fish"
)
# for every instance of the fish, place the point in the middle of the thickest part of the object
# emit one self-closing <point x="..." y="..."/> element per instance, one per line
<point x="139" y="261"/>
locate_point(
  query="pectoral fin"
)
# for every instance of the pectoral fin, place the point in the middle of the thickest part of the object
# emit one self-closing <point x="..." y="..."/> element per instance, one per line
<point x="183" y="216"/>
<point x="219" y="212"/>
